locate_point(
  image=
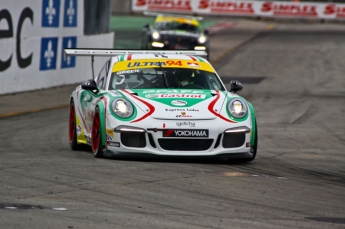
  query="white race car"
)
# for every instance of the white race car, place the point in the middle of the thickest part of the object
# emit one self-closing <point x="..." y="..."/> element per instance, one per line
<point x="167" y="103"/>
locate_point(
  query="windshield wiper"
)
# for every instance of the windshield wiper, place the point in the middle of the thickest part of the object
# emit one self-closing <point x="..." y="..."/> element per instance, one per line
<point x="164" y="76"/>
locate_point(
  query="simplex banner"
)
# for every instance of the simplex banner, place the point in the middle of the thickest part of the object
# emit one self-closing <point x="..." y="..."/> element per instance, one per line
<point x="33" y="35"/>
<point x="244" y="8"/>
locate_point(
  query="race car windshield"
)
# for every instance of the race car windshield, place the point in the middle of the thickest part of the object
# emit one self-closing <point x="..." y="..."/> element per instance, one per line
<point x="176" y="26"/>
<point x="147" y="78"/>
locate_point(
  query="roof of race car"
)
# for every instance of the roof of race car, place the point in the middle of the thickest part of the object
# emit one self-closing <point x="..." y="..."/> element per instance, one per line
<point x="185" y="20"/>
<point x="132" y="61"/>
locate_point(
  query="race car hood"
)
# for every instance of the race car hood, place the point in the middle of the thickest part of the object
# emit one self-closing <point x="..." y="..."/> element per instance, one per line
<point x="179" y="33"/>
<point x="178" y="103"/>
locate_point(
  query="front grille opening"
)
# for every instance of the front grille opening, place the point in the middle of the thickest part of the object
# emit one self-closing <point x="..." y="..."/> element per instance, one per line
<point x="185" y="144"/>
<point x="152" y="143"/>
<point x="232" y="140"/>
<point x="218" y="141"/>
<point x="133" y="139"/>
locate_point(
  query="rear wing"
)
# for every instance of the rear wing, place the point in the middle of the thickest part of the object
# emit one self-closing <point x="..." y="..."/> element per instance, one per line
<point x="114" y="52"/>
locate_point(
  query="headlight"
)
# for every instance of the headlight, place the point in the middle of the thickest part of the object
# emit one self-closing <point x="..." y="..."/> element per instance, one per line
<point x="202" y="39"/>
<point x="122" y="108"/>
<point x="237" y="108"/>
<point x="155" y="35"/>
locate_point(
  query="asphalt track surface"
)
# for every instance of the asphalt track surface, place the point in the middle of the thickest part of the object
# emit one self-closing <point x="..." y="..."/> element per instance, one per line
<point x="293" y="73"/>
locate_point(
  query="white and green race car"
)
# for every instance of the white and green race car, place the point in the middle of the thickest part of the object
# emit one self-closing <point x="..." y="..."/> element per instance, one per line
<point x="167" y="103"/>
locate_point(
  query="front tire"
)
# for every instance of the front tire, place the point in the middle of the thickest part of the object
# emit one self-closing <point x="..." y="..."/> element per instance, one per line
<point x="96" y="142"/>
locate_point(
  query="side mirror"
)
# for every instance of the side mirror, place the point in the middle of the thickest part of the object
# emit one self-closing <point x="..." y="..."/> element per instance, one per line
<point x="90" y="85"/>
<point x="235" y="86"/>
<point x="206" y="32"/>
<point x="146" y="26"/>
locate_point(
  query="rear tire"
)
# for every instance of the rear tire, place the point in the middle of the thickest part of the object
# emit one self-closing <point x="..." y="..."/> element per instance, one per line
<point x="72" y="129"/>
<point x="96" y="141"/>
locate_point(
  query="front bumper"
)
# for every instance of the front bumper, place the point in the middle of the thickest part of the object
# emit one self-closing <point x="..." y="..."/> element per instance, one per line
<point x="130" y="140"/>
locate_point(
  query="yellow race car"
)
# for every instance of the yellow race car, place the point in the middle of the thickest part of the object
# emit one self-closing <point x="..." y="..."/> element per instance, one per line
<point x="175" y="32"/>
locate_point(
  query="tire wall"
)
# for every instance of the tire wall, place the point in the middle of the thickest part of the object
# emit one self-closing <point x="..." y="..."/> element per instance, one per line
<point x="34" y="34"/>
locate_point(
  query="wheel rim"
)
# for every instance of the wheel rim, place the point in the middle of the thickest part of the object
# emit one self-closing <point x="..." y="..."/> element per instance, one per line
<point x="71" y="123"/>
<point x="95" y="132"/>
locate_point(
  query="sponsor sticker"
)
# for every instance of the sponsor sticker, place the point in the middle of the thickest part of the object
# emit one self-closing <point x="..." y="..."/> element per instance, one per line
<point x="183" y="133"/>
<point x="127" y="72"/>
<point x="113" y="144"/>
<point x="78" y="129"/>
<point x="181" y="109"/>
<point x="189" y="96"/>
<point x="188" y="124"/>
<point x="110" y="134"/>
<point x="179" y="103"/>
<point x="159" y="91"/>
<point x="184" y="115"/>
<point x="193" y="65"/>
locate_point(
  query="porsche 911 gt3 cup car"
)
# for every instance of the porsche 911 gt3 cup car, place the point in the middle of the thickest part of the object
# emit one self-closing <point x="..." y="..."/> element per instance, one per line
<point x="170" y="32"/>
<point x="168" y="103"/>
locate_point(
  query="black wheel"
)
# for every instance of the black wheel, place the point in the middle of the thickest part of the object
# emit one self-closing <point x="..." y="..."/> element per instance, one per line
<point x="72" y="129"/>
<point x="96" y="136"/>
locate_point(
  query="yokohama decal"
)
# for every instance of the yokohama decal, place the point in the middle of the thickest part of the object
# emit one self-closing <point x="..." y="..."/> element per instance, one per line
<point x="211" y="108"/>
<point x="186" y="133"/>
<point x="152" y="108"/>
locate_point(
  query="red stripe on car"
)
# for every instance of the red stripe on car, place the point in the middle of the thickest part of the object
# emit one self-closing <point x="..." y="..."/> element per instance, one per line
<point x="152" y="108"/>
<point x="193" y="58"/>
<point x="211" y="108"/>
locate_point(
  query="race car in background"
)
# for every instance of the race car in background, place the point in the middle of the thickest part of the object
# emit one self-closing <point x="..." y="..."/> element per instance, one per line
<point x="167" y="103"/>
<point x="175" y="32"/>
